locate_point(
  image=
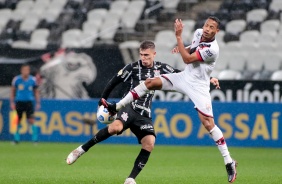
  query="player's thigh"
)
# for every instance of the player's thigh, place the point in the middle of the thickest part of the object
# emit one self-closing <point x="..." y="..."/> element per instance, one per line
<point x="202" y="101"/>
<point x="29" y="110"/>
<point x="115" y="127"/>
<point x="141" y="127"/>
<point x="20" y="109"/>
<point x="126" y="116"/>
<point x="172" y="81"/>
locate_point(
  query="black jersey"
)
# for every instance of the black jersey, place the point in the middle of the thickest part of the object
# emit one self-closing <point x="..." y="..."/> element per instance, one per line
<point x="135" y="73"/>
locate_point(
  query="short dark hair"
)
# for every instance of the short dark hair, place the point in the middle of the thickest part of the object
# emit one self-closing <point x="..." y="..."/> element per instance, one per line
<point x="147" y="44"/>
<point x="24" y="65"/>
<point x="214" y="18"/>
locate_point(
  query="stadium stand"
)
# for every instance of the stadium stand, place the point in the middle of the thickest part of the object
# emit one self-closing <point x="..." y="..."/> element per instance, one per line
<point x="249" y="40"/>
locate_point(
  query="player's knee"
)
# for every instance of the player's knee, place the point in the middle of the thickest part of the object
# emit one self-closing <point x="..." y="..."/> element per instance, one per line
<point x="152" y="83"/>
<point x="115" y="128"/>
<point x="208" y="124"/>
<point x="148" y="143"/>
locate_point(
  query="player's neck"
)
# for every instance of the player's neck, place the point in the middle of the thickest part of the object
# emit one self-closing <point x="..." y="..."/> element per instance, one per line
<point x="203" y="39"/>
<point x="25" y="77"/>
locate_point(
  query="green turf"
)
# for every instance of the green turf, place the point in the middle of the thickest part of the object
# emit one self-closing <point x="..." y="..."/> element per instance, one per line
<point x="111" y="164"/>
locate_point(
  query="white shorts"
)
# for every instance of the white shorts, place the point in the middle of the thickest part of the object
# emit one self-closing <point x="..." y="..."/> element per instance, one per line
<point x="200" y="96"/>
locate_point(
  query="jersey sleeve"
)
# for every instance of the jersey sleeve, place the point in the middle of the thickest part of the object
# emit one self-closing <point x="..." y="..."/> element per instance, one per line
<point x="35" y="84"/>
<point x="165" y="69"/>
<point x="14" y="81"/>
<point x="120" y="77"/>
<point x="206" y="54"/>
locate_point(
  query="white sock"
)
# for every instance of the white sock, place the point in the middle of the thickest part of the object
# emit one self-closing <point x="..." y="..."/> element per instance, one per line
<point x="134" y="94"/>
<point x="221" y="144"/>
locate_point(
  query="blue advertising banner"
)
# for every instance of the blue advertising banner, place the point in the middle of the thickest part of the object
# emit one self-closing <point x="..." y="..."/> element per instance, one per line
<point x="177" y="123"/>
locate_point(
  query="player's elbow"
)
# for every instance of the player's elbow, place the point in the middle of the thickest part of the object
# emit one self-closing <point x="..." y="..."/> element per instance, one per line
<point x="187" y="60"/>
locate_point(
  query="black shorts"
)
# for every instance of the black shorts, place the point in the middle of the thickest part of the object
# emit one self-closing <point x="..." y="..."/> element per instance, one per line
<point x="138" y="124"/>
<point x="25" y="106"/>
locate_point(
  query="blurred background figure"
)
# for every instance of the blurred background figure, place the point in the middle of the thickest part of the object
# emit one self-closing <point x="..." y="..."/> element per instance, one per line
<point x="23" y="93"/>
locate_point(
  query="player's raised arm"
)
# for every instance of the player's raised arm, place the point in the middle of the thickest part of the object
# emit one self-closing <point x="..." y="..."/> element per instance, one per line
<point x="187" y="58"/>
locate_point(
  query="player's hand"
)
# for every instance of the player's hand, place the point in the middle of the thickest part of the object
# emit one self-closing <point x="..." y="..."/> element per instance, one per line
<point x="175" y="50"/>
<point x="178" y="27"/>
<point x="37" y="106"/>
<point x="215" y="82"/>
<point x="13" y="106"/>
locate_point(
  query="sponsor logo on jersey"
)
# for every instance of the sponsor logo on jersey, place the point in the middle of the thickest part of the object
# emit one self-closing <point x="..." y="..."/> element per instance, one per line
<point x="148" y="75"/>
<point x="208" y="52"/>
<point x="203" y="45"/>
<point x="147" y="126"/>
<point x="124" y="116"/>
<point x="169" y="68"/>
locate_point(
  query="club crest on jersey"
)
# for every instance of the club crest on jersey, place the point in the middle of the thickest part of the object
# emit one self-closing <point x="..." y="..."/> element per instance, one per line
<point x="157" y="73"/>
<point x="124" y="116"/>
<point x="208" y="106"/>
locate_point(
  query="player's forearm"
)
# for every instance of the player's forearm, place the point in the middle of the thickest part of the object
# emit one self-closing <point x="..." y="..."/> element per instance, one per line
<point x="37" y="96"/>
<point x="110" y="86"/>
<point x="12" y="95"/>
<point x="183" y="51"/>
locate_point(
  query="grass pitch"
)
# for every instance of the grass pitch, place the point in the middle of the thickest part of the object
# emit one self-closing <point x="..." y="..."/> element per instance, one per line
<point x="111" y="164"/>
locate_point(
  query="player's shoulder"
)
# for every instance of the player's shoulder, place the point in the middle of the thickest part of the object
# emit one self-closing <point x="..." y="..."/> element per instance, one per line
<point x="33" y="78"/>
<point x="17" y="77"/>
<point x="198" y="32"/>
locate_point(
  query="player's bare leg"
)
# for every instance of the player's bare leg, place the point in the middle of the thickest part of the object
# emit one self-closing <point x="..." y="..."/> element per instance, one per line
<point x="148" y="143"/>
<point x="138" y="91"/>
<point x="102" y="135"/>
<point x="217" y="136"/>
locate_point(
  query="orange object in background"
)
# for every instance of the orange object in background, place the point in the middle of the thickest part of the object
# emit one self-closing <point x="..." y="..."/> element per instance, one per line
<point x="13" y="121"/>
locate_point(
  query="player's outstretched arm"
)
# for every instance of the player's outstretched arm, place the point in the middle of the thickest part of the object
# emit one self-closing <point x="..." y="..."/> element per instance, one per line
<point x="120" y="77"/>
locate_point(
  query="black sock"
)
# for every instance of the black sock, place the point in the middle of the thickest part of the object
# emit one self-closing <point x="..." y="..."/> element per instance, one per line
<point x="103" y="134"/>
<point x="139" y="163"/>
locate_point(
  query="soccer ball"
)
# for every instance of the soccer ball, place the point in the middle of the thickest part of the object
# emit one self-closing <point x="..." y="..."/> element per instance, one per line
<point x="104" y="116"/>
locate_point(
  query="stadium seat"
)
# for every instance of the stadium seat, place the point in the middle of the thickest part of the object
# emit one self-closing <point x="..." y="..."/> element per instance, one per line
<point x="229" y="75"/>
<point x="131" y="16"/>
<point x="276" y="76"/>
<point x="25" y="5"/>
<point x="165" y="37"/>
<point x="91" y="26"/>
<point x="249" y="37"/>
<point x="265" y="38"/>
<point x="220" y="36"/>
<point x="38" y="39"/>
<point x="275" y="6"/>
<point x="167" y="58"/>
<point x="29" y="24"/>
<point x="5" y="15"/>
<point x="188" y="30"/>
<point x="235" y="27"/>
<point x="129" y="51"/>
<point x="109" y="28"/>
<point x="237" y="61"/>
<point x="270" y="26"/>
<point x="170" y="6"/>
<point x="256" y="15"/>
<point x="18" y="14"/>
<point x="98" y="13"/>
<point x="222" y="61"/>
<point x="20" y="44"/>
<point x="71" y="38"/>
<point x="52" y="14"/>
<point x="254" y="64"/>
<point x="87" y="39"/>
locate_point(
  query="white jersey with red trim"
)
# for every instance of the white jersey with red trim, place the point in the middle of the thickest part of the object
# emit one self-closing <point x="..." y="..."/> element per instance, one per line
<point x="199" y="72"/>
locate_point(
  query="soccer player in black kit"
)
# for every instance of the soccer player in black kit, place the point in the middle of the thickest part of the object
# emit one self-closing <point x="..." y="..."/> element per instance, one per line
<point x="137" y="115"/>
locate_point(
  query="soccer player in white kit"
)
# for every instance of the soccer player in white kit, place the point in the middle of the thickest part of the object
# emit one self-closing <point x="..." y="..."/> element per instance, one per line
<point x="194" y="81"/>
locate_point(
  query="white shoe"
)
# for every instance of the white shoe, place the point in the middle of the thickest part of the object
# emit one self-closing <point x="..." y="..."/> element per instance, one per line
<point x="74" y="155"/>
<point x="129" y="181"/>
